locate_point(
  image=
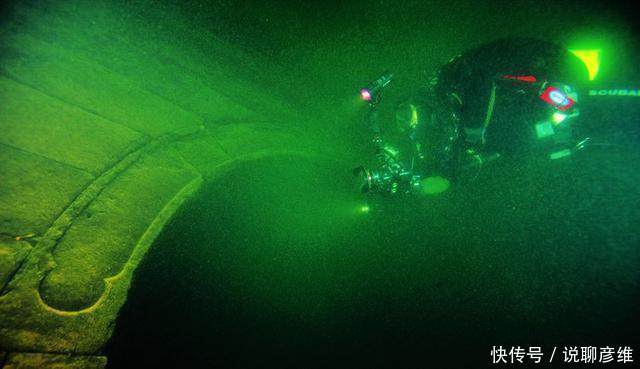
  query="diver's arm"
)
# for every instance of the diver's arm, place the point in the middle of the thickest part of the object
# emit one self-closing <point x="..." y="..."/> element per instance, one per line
<point x="371" y="120"/>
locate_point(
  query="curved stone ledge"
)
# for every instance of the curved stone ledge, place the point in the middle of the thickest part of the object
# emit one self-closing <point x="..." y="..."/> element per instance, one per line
<point x="103" y="235"/>
<point x="29" y="324"/>
<point x="68" y="292"/>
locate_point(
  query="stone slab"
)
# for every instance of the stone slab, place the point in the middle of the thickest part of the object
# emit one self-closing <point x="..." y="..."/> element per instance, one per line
<point x="239" y="140"/>
<point x="73" y="78"/>
<point x="34" y="190"/>
<point x="12" y="253"/>
<point x="35" y="122"/>
<point x="164" y="66"/>
<point x="23" y="360"/>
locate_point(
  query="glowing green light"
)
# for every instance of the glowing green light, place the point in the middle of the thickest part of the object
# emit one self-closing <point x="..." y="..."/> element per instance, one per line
<point x="559" y="154"/>
<point x="364" y="209"/>
<point x="591" y="59"/>
<point x="434" y="185"/>
<point x="558" y="117"/>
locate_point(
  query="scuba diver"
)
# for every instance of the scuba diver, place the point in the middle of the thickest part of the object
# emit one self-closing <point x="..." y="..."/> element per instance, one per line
<point x="501" y="100"/>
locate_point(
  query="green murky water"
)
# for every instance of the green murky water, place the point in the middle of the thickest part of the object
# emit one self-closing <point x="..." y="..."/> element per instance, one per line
<point x="275" y="264"/>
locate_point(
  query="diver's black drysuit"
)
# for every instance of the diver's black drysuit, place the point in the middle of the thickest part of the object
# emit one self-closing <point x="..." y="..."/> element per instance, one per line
<point x="482" y="103"/>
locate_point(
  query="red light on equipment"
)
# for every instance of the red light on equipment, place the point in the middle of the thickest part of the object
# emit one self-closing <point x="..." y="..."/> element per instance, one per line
<point x="528" y="79"/>
<point x="556" y="98"/>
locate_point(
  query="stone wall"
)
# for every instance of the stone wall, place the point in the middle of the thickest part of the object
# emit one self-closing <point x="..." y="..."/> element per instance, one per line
<point x="107" y="125"/>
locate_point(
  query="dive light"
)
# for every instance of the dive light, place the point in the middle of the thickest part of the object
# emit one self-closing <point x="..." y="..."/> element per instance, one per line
<point x="371" y="92"/>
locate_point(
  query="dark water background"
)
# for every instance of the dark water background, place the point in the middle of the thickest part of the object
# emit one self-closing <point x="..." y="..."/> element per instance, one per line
<point x="273" y="265"/>
<point x="287" y="273"/>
